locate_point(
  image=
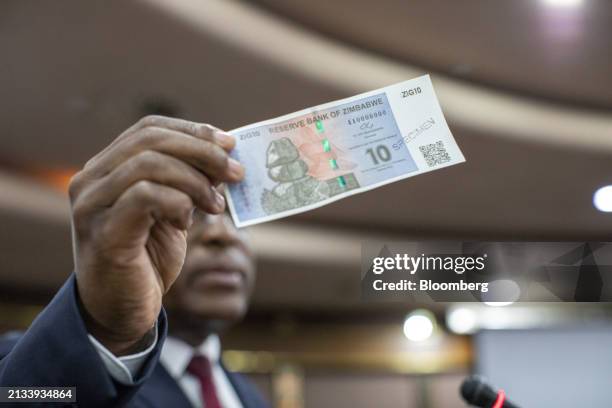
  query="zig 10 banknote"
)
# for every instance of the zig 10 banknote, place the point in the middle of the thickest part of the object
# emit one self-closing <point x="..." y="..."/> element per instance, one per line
<point x="310" y="158"/>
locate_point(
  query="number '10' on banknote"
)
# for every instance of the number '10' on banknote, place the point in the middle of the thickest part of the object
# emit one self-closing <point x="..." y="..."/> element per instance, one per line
<point x="318" y="155"/>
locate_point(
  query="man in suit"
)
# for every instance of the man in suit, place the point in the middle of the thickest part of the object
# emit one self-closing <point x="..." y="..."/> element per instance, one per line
<point x="147" y="216"/>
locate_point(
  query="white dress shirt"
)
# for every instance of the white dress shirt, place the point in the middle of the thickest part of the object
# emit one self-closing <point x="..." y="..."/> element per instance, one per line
<point x="175" y="357"/>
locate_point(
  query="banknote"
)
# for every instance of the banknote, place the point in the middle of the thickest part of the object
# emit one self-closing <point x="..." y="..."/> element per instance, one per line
<point x="304" y="160"/>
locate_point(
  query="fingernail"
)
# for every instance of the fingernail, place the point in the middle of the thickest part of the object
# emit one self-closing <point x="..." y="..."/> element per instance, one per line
<point x="220" y="202"/>
<point x="225" y="138"/>
<point x="235" y="169"/>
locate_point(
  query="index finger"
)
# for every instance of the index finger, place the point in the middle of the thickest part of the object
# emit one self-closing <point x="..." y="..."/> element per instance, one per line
<point x="202" y="131"/>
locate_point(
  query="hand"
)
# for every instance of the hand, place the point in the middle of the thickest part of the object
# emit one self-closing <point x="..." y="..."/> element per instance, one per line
<point x="131" y="207"/>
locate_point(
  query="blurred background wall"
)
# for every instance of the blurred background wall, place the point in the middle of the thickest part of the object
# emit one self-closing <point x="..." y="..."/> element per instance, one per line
<point x="526" y="89"/>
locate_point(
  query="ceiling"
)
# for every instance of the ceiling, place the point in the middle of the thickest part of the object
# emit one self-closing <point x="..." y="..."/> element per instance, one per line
<point x="530" y="109"/>
<point x="526" y="46"/>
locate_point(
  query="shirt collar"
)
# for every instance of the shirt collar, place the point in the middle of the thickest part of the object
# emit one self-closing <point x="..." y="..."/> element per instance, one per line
<point x="176" y="354"/>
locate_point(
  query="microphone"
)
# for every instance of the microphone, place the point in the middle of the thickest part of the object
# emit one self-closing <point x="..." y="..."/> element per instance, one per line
<point x="475" y="391"/>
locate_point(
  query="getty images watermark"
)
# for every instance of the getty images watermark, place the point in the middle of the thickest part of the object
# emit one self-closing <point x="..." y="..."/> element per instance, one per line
<point x="487" y="271"/>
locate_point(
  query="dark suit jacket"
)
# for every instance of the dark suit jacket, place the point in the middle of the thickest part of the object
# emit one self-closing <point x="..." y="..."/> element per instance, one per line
<point x="56" y="352"/>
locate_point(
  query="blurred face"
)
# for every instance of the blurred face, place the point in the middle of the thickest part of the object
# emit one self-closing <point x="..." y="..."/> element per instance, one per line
<point x="218" y="275"/>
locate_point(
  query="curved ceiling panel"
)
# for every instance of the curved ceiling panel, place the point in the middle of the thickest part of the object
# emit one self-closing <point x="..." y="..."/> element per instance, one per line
<point x="75" y="76"/>
<point x="559" y="50"/>
<point x="304" y="52"/>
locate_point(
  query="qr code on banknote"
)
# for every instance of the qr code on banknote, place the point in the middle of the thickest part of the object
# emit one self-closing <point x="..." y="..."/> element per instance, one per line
<point x="435" y="153"/>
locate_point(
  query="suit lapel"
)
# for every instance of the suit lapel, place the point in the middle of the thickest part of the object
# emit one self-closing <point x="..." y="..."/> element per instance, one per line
<point x="161" y="390"/>
<point x="243" y="390"/>
<point x="239" y="388"/>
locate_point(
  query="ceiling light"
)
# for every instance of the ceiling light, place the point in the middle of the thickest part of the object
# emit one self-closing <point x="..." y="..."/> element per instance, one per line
<point x="461" y="320"/>
<point x="501" y="292"/>
<point x="419" y="326"/>
<point x="498" y="304"/>
<point x="564" y="3"/>
<point x="602" y="199"/>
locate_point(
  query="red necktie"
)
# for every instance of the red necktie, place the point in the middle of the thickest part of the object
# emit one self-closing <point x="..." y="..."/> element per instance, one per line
<point x="200" y="368"/>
